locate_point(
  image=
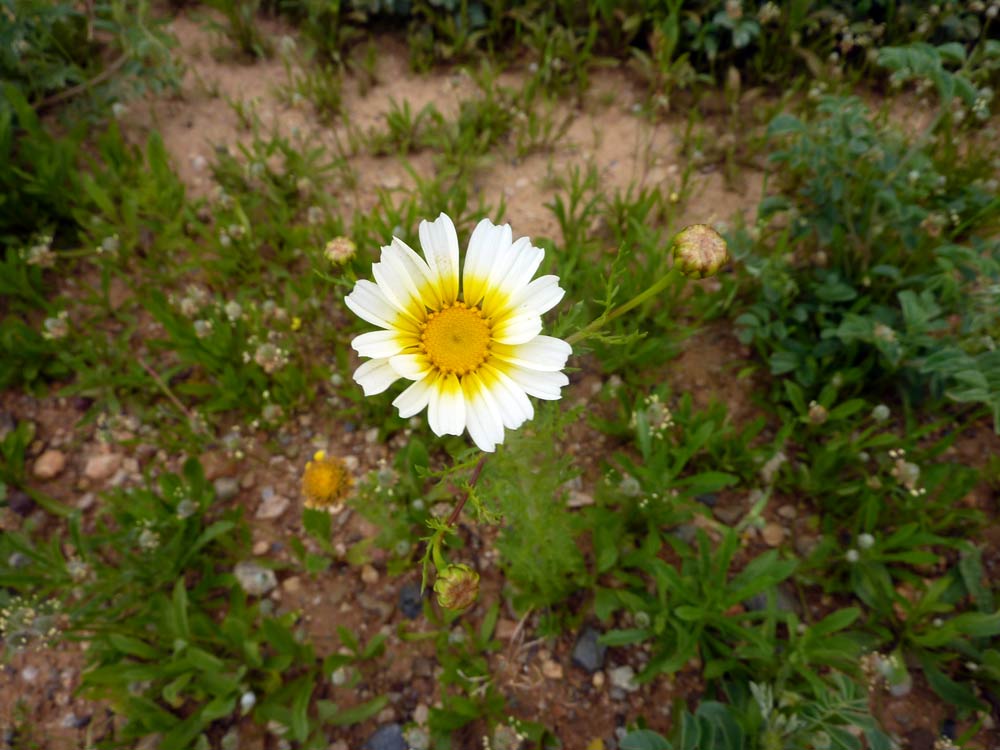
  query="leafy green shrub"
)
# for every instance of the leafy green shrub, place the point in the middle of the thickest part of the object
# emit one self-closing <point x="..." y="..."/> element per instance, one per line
<point x="55" y="52"/>
<point x="872" y="261"/>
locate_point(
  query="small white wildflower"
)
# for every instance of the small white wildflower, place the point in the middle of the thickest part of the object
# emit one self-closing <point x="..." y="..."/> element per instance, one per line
<point x="234" y="311"/>
<point x="866" y="541"/>
<point x="880" y="413"/>
<point x="56" y="328"/>
<point x="203" y="328"/>
<point x="852" y="556"/>
<point x="247" y="701"/>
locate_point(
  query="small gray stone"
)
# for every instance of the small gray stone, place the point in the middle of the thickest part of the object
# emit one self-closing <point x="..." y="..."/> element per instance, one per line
<point x="588" y="654"/>
<point x="686" y="532"/>
<point x="255" y="579"/>
<point x="623" y="678"/>
<point x="226" y="488"/>
<point x="411" y="602"/>
<point x="20" y="502"/>
<point x="783" y="602"/>
<point x="387" y="737"/>
<point x="271" y="505"/>
<point x="709" y="499"/>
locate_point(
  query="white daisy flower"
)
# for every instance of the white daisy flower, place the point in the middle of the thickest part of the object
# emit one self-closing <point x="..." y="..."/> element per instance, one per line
<point x="474" y="355"/>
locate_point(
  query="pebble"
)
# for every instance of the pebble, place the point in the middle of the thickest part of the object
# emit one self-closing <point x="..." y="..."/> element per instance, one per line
<point x="598" y="680"/>
<point x="226" y="488"/>
<point x="271" y="505"/>
<point x="411" y="602"/>
<point x="248" y="480"/>
<point x="29" y="674"/>
<point x="339" y="745"/>
<point x="783" y="602"/>
<point x="20" y="502"/>
<point x="292" y="585"/>
<point x="773" y="534"/>
<point x="709" y="499"/>
<point x="789" y="512"/>
<point x="421" y="714"/>
<point x="86" y="500"/>
<point x="387" y="737"/>
<point x="588" y="654"/>
<point x="72" y="721"/>
<point x="255" y="579"/>
<point x="552" y="669"/>
<point x="260" y="548"/>
<point x="102" y="466"/>
<point x="371" y="435"/>
<point x="505" y="629"/>
<point x="623" y="678"/>
<point x="50" y="464"/>
<point x="369" y="575"/>
<point x="728" y="514"/>
<point x="578" y="499"/>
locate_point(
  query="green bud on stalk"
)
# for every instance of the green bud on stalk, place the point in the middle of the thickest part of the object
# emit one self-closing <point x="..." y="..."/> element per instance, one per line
<point x="699" y="251"/>
<point x="457" y="587"/>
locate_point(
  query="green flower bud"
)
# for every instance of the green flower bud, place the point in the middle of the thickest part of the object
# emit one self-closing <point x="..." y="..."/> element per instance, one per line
<point x="457" y="587"/>
<point x="699" y="251"/>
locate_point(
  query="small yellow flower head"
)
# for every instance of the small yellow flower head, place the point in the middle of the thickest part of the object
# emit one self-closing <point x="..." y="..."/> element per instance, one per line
<point x="325" y="482"/>
<point x="457" y="587"/>
<point x="340" y="250"/>
<point x="296" y="323"/>
<point x="699" y="251"/>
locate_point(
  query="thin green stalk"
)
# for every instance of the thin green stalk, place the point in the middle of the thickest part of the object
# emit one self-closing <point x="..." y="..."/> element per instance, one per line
<point x="598" y="323"/>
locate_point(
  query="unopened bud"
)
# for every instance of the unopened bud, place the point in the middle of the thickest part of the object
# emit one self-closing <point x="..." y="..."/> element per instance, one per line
<point x="699" y="251"/>
<point x="457" y="587"/>
<point x="817" y="413"/>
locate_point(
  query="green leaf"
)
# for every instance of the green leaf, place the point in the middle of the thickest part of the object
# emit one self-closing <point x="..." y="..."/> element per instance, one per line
<point x="644" y="739"/>
<point x="360" y="713"/>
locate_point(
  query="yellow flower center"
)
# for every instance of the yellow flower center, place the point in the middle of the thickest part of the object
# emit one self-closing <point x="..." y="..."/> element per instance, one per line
<point x="325" y="481"/>
<point x="456" y="339"/>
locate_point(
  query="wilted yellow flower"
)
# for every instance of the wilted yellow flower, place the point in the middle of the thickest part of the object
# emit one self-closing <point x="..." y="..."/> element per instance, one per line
<point x="325" y="482"/>
<point x="457" y="587"/>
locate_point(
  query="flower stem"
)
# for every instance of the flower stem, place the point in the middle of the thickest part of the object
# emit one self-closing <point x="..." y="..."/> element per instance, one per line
<point x="598" y="323"/>
<point x="473" y="478"/>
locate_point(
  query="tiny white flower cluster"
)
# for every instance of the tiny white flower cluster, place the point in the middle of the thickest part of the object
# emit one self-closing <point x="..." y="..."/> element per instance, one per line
<point x="25" y="623"/>
<point x="906" y="472"/>
<point x="149" y="538"/>
<point x="40" y="252"/>
<point x="56" y="328"/>
<point x="658" y="416"/>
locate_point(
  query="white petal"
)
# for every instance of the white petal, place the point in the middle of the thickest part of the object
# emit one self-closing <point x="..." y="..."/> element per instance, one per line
<point x="482" y="415"/>
<point x="515" y="408"/>
<point x="399" y="287"/>
<point x="411" y="366"/>
<point x="544" y="353"/>
<point x="541" y="295"/>
<point x="543" y="385"/>
<point x="416" y="268"/>
<point x="518" y="328"/>
<point x="375" y="375"/>
<point x="488" y="242"/>
<point x="379" y="344"/>
<point x="446" y="407"/>
<point x="368" y="303"/>
<point x="507" y="259"/>
<point x="440" y="245"/>
<point x="413" y="400"/>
